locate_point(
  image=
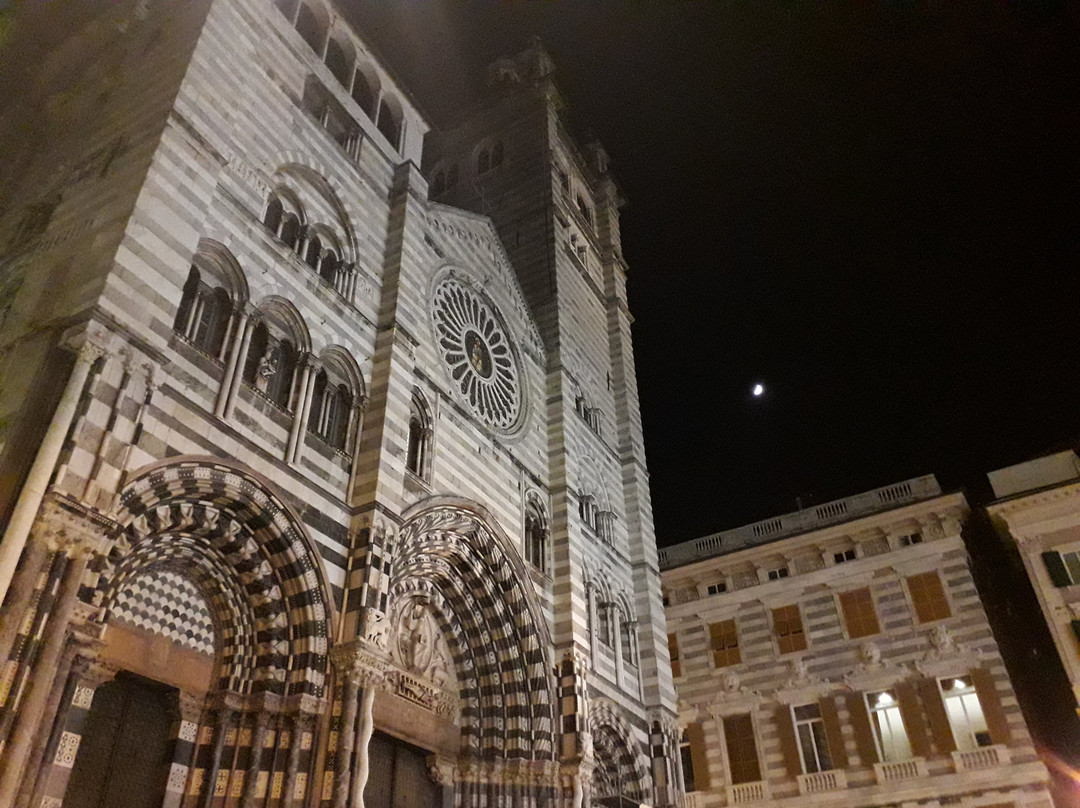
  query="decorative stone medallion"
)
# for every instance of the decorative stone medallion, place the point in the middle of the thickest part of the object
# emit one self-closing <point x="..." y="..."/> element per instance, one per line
<point x="478" y="353"/>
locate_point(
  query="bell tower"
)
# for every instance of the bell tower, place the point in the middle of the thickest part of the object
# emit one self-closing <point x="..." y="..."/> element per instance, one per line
<point x="556" y="207"/>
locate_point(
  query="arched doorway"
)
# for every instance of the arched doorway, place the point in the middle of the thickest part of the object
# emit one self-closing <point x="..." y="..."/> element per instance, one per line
<point x="621" y="774"/>
<point x="455" y="568"/>
<point x="212" y="594"/>
<point x="124" y="757"/>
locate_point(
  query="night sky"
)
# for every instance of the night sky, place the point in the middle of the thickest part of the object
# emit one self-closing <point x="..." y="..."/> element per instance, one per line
<point x="871" y="208"/>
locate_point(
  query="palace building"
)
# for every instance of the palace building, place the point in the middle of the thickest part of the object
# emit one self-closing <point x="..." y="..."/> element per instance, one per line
<point x="841" y="656"/>
<point x="322" y="480"/>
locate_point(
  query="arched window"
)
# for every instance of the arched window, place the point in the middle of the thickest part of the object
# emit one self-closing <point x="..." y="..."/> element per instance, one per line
<point x="339" y="60"/>
<point x="203" y="316"/>
<point x="389" y="123"/>
<point x="451" y="176"/>
<point x="289" y="232"/>
<point x="536" y="536"/>
<point x="331" y="406"/>
<point x="311" y="28"/>
<point x="603" y="623"/>
<point x="283" y="218"/>
<point x="417" y="456"/>
<point x="312" y="250"/>
<point x="483" y="161"/>
<point x="626" y="638"/>
<point x="588" y="510"/>
<point x="497" y="154"/>
<point x="328" y="267"/>
<point x="271" y="364"/>
<point x="272" y="217"/>
<point x="363" y="93"/>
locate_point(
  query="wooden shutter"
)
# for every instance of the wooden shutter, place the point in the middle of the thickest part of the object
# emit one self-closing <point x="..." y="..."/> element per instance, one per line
<point x="864" y="732"/>
<point x="994" y="713"/>
<point x="936" y="715"/>
<point x="912" y="715"/>
<point x="788" y="744"/>
<point x="833" y="734"/>
<point x="1056" y="567"/>
<point x="695" y="733"/>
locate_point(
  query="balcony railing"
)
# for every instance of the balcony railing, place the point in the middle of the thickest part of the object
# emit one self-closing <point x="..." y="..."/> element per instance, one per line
<point x="986" y="757"/>
<point x="832" y="780"/>
<point x="747" y="792"/>
<point x="892" y="771"/>
<point x="790" y="524"/>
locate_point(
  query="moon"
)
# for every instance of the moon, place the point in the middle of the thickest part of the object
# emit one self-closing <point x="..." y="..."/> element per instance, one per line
<point x="758" y="390"/>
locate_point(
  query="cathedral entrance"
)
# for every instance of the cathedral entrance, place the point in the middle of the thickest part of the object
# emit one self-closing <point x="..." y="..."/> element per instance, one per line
<point x="123" y="759"/>
<point x="399" y="776"/>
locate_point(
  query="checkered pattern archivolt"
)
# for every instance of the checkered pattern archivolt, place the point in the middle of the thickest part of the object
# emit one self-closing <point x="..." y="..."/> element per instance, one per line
<point x="240" y="546"/>
<point x="479" y="592"/>
<point x="620" y="769"/>
<point x="168" y="604"/>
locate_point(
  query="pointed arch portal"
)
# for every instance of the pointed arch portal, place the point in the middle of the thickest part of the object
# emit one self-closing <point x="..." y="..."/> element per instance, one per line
<point x="452" y="554"/>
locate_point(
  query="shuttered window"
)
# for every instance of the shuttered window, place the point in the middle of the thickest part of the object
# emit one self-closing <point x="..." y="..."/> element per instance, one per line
<point x="724" y="642"/>
<point x="741" y="749"/>
<point x="695" y="734"/>
<point x="788" y="628"/>
<point x="1055" y="566"/>
<point x="928" y="597"/>
<point x="687" y="757"/>
<point x="859" y="615"/>
<point x="673" y="652"/>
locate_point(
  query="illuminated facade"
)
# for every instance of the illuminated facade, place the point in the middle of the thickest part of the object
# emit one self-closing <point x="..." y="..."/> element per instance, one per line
<point x="841" y="656"/>
<point x="321" y="475"/>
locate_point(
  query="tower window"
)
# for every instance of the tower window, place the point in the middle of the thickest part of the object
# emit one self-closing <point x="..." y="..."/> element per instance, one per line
<point x="536" y="536"/>
<point x="483" y="162"/>
<point x="419" y="448"/>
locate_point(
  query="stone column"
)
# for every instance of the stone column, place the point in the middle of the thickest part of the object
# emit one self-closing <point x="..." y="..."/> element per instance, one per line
<point x="346" y="739"/>
<point x="255" y="755"/>
<point x="54" y="752"/>
<point x="22" y="587"/>
<point x="301" y="723"/>
<point x="224" y="718"/>
<point x="363" y="737"/>
<point x="29" y="717"/>
<point x="37" y="481"/>
<point x="234" y="371"/>
<point x="189" y="709"/>
<point x="303" y="403"/>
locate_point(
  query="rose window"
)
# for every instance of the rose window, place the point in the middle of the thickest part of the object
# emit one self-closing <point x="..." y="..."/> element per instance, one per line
<point x="478" y="353"/>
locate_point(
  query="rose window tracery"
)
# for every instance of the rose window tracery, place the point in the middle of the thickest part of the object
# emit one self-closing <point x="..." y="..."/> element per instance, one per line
<point x="477" y="353"/>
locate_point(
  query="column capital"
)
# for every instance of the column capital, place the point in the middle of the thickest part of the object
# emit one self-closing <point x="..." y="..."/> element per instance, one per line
<point x="359" y="664"/>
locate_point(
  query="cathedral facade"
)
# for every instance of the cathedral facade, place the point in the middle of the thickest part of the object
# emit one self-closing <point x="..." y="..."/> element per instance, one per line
<point x="322" y="478"/>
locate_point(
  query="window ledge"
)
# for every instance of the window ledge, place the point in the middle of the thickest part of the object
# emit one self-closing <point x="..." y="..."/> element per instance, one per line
<point x="831" y="780"/>
<point x="415" y="483"/>
<point x="985" y="757"/>
<point x="893" y="771"/>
